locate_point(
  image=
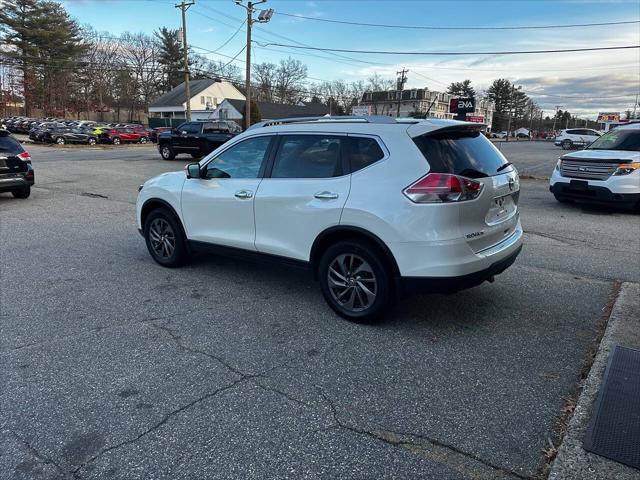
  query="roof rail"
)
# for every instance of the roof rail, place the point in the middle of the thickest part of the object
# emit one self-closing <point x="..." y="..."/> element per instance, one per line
<point x="327" y="119"/>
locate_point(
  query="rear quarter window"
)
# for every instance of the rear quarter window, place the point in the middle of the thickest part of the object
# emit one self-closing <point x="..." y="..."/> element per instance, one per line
<point x="362" y="152"/>
<point x="461" y="152"/>
<point x="10" y="146"/>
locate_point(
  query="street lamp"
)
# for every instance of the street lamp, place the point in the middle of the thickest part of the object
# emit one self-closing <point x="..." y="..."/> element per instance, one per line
<point x="263" y="17"/>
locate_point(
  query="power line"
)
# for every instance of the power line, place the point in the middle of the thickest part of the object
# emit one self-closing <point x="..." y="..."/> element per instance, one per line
<point x="506" y="52"/>
<point x="432" y="27"/>
<point x="230" y="38"/>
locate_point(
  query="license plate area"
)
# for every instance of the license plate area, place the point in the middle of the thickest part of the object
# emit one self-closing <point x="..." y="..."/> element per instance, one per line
<point x="579" y="185"/>
<point x="502" y="208"/>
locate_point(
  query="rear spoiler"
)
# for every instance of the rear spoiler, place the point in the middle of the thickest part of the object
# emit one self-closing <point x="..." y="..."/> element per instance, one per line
<point x="425" y="128"/>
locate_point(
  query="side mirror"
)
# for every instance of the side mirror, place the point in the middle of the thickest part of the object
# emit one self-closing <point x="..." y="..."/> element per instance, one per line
<point x="193" y="170"/>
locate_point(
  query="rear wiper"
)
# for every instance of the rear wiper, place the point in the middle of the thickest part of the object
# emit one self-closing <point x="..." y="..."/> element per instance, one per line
<point x="502" y="167"/>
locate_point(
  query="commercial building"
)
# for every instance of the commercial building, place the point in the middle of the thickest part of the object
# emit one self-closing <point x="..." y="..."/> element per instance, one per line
<point x="422" y="102"/>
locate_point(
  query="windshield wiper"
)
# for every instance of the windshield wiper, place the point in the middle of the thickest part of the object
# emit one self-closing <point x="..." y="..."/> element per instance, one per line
<point x="502" y="167"/>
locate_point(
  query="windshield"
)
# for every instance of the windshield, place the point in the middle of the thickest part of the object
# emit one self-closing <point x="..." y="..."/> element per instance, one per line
<point x="620" y="139"/>
<point x="461" y="152"/>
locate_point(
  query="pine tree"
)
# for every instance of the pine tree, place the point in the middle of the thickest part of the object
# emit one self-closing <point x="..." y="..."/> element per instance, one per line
<point x="171" y="57"/>
<point x="43" y="43"/>
<point x="461" y="89"/>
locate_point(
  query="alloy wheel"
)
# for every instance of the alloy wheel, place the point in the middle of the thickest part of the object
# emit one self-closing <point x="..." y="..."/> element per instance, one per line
<point x="162" y="238"/>
<point x="166" y="153"/>
<point x="352" y="282"/>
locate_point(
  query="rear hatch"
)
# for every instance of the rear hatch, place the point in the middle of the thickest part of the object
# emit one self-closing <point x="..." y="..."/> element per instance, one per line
<point x="463" y="150"/>
<point x="10" y="164"/>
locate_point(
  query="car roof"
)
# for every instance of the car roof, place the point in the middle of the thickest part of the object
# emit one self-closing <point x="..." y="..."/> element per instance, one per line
<point x="630" y="126"/>
<point x="374" y="124"/>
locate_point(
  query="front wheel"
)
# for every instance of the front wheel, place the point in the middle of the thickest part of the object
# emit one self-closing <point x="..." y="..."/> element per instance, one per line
<point x="24" y="192"/>
<point x="167" y="153"/>
<point x="567" y="144"/>
<point x="143" y="140"/>
<point x="164" y="238"/>
<point x="116" y="141"/>
<point x="92" y="141"/>
<point x="354" y="281"/>
<point x="60" y="141"/>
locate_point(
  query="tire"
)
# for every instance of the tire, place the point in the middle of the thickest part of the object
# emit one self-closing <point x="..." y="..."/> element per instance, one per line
<point x="92" y="141"/>
<point x="24" y="192"/>
<point x="116" y="141"/>
<point x="164" y="238"/>
<point x="567" y="144"/>
<point x="60" y="141"/>
<point x="354" y="281"/>
<point x="562" y="199"/>
<point x="166" y="152"/>
<point x="144" y="140"/>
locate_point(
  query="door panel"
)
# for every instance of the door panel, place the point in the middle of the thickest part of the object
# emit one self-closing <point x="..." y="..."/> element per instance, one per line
<point x="289" y="217"/>
<point x="304" y="195"/>
<point x="219" y="209"/>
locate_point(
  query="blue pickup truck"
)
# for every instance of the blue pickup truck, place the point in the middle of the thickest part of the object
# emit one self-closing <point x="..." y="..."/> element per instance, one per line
<point x="196" y="138"/>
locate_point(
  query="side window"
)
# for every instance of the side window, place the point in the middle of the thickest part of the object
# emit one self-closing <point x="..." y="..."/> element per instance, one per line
<point x="190" y="128"/>
<point x="10" y="146"/>
<point x="212" y="127"/>
<point x="308" y="156"/>
<point x="573" y="132"/>
<point x="363" y="152"/>
<point x="243" y="160"/>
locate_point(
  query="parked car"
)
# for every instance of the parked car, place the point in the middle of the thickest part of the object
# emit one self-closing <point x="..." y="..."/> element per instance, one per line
<point x="194" y="138"/>
<point x="374" y="207"/>
<point x="117" y="136"/>
<point x="500" y="134"/>
<point x="576" y="138"/>
<point x="607" y="171"/>
<point x="74" y="135"/>
<point x="153" y="136"/>
<point x="16" y="172"/>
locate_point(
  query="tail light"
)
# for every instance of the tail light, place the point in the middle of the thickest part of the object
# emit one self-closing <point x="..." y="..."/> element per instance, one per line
<point x="443" y="188"/>
<point x="25" y="157"/>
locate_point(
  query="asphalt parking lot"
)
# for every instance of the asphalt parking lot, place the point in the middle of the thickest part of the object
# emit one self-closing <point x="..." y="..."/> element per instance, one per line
<point x="113" y="367"/>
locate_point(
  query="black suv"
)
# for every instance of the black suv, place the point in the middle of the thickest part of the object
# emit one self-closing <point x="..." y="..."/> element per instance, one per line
<point x="16" y="172"/>
<point x="195" y="138"/>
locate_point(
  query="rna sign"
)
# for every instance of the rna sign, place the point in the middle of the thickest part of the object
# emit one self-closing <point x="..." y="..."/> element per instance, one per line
<point x="462" y="105"/>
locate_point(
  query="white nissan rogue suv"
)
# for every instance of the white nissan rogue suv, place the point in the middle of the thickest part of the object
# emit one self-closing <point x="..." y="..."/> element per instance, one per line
<point x="374" y="206"/>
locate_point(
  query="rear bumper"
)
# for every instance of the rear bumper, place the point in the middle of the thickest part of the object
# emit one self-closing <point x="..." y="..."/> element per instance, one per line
<point x="8" y="184"/>
<point x="409" y="285"/>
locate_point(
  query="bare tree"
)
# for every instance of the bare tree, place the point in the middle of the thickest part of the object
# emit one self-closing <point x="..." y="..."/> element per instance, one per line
<point x="139" y="54"/>
<point x="289" y="81"/>
<point x="264" y="75"/>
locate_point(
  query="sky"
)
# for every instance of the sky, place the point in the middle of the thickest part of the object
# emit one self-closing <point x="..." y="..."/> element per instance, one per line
<point x="584" y="83"/>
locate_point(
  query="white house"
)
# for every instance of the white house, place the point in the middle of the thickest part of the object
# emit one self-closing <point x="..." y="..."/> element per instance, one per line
<point x="206" y="95"/>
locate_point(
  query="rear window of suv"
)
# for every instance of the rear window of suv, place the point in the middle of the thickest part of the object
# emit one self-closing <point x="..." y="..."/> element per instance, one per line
<point x="10" y="146"/>
<point x="461" y="152"/>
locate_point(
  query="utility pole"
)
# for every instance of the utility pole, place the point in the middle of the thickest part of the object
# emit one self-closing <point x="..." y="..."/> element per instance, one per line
<point x="513" y="92"/>
<point x="184" y="6"/>
<point x="265" y="16"/>
<point x="401" y="81"/>
<point x="558" y="107"/>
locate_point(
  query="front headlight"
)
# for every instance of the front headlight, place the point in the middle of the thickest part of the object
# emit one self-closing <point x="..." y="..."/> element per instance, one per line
<point x="627" y="168"/>
<point x="558" y="165"/>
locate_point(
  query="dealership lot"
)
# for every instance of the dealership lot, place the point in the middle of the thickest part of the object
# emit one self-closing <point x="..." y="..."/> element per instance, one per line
<point x="114" y="367"/>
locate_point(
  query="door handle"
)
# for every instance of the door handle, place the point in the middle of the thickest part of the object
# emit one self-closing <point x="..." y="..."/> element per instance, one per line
<point x="244" y="194"/>
<point x="326" y="195"/>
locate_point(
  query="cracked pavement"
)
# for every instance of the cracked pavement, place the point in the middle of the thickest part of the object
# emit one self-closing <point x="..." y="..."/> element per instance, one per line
<point x="113" y="367"/>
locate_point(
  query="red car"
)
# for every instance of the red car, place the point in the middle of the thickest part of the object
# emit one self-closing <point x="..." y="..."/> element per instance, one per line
<point x="157" y="131"/>
<point x="125" y="135"/>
